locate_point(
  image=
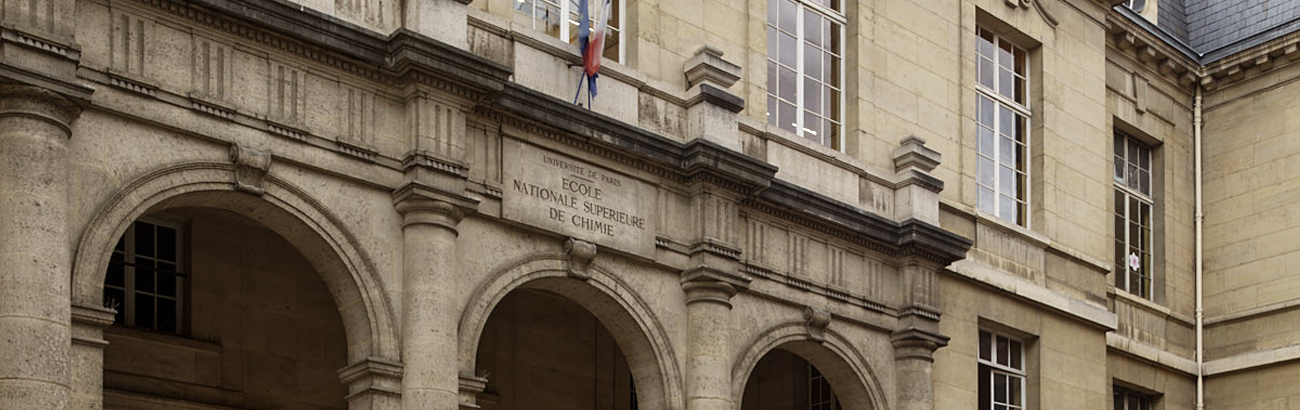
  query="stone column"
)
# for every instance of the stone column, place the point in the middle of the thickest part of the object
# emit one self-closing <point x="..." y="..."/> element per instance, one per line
<point x="913" y="360"/>
<point x="429" y="295"/>
<point x="713" y="278"/>
<point x="35" y="303"/>
<point x="708" y="361"/>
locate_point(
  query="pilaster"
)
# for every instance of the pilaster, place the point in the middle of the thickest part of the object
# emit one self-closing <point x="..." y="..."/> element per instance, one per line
<point x="373" y="384"/>
<point x="87" y="355"/>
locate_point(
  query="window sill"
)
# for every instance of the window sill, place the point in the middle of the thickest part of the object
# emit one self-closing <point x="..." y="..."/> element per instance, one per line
<point x="125" y="332"/>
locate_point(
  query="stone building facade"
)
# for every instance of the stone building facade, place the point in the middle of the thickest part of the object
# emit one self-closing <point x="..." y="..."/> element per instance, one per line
<point x="770" y="204"/>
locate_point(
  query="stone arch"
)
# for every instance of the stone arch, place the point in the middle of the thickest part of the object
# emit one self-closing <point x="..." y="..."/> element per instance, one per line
<point x="335" y="254"/>
<point x="847" y="371"/>
<point x="628" y="318"/>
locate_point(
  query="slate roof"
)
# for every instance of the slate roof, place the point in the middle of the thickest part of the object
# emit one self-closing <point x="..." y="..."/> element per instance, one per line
<point x="1217" y="28"/>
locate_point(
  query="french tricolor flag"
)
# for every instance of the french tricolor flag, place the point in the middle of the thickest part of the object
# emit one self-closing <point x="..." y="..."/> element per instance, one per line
<point x="592" y="44"/>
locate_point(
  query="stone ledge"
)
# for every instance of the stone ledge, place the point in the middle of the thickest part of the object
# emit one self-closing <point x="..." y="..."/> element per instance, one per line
<point x="1083" y="311"/>
<point x="1245" y="361"/>
<point x="1150" y="353"/>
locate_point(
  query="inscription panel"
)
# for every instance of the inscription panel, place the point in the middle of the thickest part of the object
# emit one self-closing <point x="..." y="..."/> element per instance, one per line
<point x="562" y="194"/>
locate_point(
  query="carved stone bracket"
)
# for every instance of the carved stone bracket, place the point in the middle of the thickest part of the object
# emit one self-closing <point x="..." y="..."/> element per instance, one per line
<point x="580" y="254"/>
<point x="250" y="168"/>
<point x="816" y="320"/>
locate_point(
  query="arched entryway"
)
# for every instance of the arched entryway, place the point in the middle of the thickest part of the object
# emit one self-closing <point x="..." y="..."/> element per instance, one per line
<point x="602" y="331"/>
<point x="215" y="308"/>
<point x="542" y="350"/>
<point x="785" y="368"/>
<point x="262" y="301"/>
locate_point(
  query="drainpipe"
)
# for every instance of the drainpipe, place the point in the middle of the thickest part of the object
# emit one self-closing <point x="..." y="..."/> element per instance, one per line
<point x="1200" y="270"/>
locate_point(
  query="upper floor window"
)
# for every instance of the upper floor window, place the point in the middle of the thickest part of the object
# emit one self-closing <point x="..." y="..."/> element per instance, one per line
<point x="805" y="72"/>
<point x="1003" y="112"/>
<point x="1132" y="216"/>
<point x="559" y="19"/>
<point x="146" y="279"/>
<point x="1002" y="372"/>
<point x="1126" y="399"/>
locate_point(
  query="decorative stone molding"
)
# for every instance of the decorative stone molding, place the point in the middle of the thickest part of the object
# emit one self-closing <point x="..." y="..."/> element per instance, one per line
<point x="708" y="291"/>
<point x="580" y="253"/>
<point x="817" y="321"/>
<point x="372" y="376"/>
<point x="707" y="66"/>
<point x="88" y="324"/>
<point x="470" y="388"/>
<point x="38" y="102"/>
<point x="251" y="166"/>
<point x="422" y="204"/>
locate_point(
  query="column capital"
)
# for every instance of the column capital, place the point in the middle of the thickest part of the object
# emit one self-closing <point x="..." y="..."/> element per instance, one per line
<point x="918" y="344"/>
<point x="370" y="377"/>
<point x="420" y="204"/>
<point x="710" y="291"/>
<point x="20" y="99"/>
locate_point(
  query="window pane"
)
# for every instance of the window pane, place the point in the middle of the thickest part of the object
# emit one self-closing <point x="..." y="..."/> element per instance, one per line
<point x="1006" y="150"/>
<point x="985" y="141"/>
<point x="1006" y="83"/>
<point x="831" y="103"/>
<point x="812" y="27"/>
<point x="772" y="12"/>
<point x="771" y="79"/>
<point x="1004" y="55"/>
<point x="144" y="310"/>
<point x="984" y="69"/>
<point x="1022" y="87"/>
<point x="986" y="346"/>
<point x="166" y="243"/>
<point x="786" y="84"/>
<point x="786" y="117"/>
<point x="985" y="107"/>
<point x="789" y="16"/>
<point x="1014" y="396"/>
<point x="143" y="239"/>
<point x="167" y="285"/>
<point x="999" y="388"/>
<point x="611" y="42"/>
<point x="1005" y="126"/>
<point x="986" y="169"/>
<point x="984" y="44"/>
<point x="812" y="96"/>
<point x="1002" y="351"/>
<point x="771" y="109"/>
<point x="812" y="61"/>
<point x="1007" y="181"/>
<point x="1007" y="208"/>
<point x="167" y="315"/>
<point x="144" y="277"/>
<point x="812" y="127"/>
<point x="788" y="51"/>
<point x="986" y="200"/>
<point x="1015" y="354"/>
<point x="1021" y="63"/>
<point x="116" y="275"/>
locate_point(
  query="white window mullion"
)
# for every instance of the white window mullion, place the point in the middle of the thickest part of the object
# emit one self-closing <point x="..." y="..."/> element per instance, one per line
<point x="799" y="70"/>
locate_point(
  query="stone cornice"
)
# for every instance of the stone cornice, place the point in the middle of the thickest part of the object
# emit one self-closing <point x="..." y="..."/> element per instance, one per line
<point x="1161" y="53"/>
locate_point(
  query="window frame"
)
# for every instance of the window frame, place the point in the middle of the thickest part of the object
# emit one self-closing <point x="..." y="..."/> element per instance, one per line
<point x="837" y="116"/>
<point x="127" y="309"/>
<point x="1122" y="185"/>
<point x="1124" y="395"/>
<point x="1021" y="143"/>
<point x="821" y="395"/>
<point x="992" y="368"/>
<point x="569" y="10"/>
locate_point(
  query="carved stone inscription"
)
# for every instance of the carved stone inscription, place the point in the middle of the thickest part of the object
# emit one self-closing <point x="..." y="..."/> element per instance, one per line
<point x="578" y="199"/>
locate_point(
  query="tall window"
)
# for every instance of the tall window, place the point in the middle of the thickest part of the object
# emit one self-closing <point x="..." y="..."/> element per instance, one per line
<point x="145" y="277"/>
<point x="546" y="15"/>
<point x="1126" y="399"/>
<point x="1003" y="111"/>
<point x="1002" y="372"/>
<point x="1132" y="216"/>
<point x="805" y="69"/>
